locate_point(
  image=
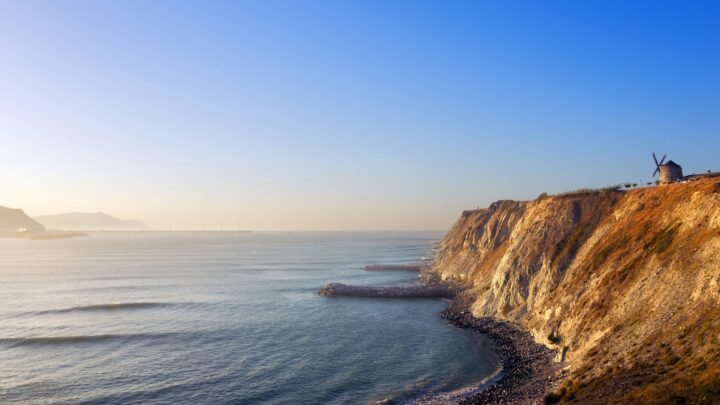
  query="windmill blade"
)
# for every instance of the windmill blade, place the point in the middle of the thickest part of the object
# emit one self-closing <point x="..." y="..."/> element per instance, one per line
<point x="655" y="159"/>
<point x="656" y="171"/>
<point x="662" y="160"/>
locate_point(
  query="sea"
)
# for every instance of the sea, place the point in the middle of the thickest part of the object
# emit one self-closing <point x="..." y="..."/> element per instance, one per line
<point x="223" y="318"/>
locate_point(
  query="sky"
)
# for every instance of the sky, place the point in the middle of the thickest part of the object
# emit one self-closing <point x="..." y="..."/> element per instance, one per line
<point x="345" y="115"/>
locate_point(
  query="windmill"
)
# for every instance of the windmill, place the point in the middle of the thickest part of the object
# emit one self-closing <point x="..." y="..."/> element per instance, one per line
<point x="669" y="171"/>
<point x="657" y="165"/>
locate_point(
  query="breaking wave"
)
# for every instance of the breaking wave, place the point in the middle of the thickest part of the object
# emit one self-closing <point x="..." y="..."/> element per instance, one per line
<point x="110" y="307"/>
<point x="78" y="339"/>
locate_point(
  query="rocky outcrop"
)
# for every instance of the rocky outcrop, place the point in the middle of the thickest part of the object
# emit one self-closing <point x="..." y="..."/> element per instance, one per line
<point x="624" y="285"/>
<point x="344" y="290"/>
<point x="394" y="267"/>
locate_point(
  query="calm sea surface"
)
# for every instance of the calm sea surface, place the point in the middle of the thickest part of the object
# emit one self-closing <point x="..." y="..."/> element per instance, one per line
<point x="222" y="318"/>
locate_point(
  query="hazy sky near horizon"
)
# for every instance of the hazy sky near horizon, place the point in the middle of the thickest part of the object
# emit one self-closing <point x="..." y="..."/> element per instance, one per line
<point x="345" y="115"/>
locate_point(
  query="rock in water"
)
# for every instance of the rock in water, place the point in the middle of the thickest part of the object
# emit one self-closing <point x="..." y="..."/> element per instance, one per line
<point x="344" y="290"/>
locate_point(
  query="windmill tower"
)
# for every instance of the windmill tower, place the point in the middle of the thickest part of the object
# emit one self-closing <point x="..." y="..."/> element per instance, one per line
<point x="669" y="172"/>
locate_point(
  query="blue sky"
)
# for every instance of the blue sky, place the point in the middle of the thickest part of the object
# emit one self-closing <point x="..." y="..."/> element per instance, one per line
<point x="345" y="114"/>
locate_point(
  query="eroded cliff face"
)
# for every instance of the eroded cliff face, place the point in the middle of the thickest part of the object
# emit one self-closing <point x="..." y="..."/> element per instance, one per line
<point x="625" y="284"/>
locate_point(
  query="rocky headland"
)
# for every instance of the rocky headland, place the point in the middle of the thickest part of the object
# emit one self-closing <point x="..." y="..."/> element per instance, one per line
<point x="14" y="220"/>
<point x="623" y="288"/>
<point x="590" y="297"/>
<point x="15" y="224"/>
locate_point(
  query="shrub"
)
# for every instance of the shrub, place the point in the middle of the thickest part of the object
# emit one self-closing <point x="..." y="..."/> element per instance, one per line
<point x="554" y="397"/>
<point x="670" y="359"/>
<point x="663" y="239"/>
<point x="584" y="191"/>
<point x="605" y="252"/>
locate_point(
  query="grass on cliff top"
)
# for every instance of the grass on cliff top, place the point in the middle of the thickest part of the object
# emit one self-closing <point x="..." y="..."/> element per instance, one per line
<point x="588" y="191"/>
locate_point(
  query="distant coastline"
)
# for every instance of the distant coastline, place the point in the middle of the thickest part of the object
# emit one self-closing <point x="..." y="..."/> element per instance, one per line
<point x="164" y="231"/>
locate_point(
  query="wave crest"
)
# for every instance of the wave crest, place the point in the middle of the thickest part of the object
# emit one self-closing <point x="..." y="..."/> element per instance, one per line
<point x="109" y="307"/>
<point x="77" y="339"/>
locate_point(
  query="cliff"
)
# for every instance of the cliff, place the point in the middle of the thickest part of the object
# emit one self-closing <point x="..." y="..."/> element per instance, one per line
<point x="13" y="220"/>
<point x="626" y="285"/>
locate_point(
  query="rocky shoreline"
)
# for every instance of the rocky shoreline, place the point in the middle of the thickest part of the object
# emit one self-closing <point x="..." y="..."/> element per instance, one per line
<point x="528" y="368"/>
<point x="528" y="372"/>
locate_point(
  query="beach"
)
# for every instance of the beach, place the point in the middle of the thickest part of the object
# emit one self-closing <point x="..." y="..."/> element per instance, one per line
<point x="528" y="369"/>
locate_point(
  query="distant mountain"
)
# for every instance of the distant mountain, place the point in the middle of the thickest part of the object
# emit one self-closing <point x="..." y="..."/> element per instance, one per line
<point x="15" y="220"/>
<point x="82" y="221"/>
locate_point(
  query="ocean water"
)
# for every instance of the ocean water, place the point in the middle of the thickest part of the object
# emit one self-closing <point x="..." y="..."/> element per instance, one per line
<point x="222" y="318"/>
